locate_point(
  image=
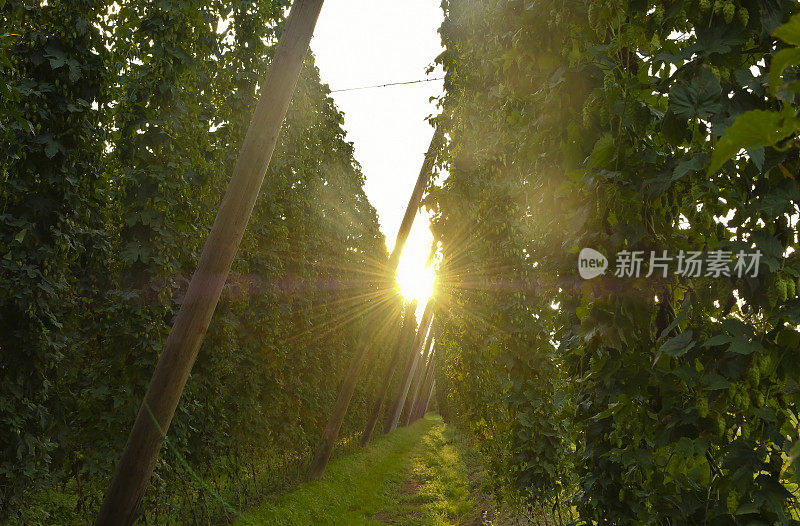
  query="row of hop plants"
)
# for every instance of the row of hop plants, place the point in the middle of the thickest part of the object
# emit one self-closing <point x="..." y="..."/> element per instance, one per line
<point x="623" y="125"/>
<point x="119" y="126"/>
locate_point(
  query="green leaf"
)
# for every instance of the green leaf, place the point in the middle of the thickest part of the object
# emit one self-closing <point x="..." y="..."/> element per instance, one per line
<point x="753" y="129"/>
<point x="782" y="60"/>
<point x="57" y="62"/>
<point x="690" y="165"/>
<point x="602" y="152"/>
<point x="747" y="508"/>
<point x="790" y="31"/>
<point x="774" y="204"/>
<point x="718" y="39"/>
<point x="678" y="345"/>
<point x="526" y="420"/>
<point x="698" y="98"/>
<point x="719" y="339"/>
<point x="686" y="309"/>
<point x="744" y="347"/>
<point x="51" y="148"/>
<point x="715" y="382"/>
<point x="757" y="156"/>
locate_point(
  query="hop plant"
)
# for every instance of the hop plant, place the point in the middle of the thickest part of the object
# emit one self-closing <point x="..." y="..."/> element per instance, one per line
<point x="722" y="428"/>
<point x="588" y="112"/>
<point x="733" y="501"/>
<point x="702" y="406"/>
<point x="782" y="288"/>
<point x="754" y="375"/>
<point x="603" y="112"/>
<point x="729" y="11"/>
<point x="608" y="81"/>
<point x="705" y="5"/>
<point x="743" y="400"/>
<point x="746" y="430"/>
<point x="772" y="292"/>
<point x="764" y="364"/>
<point x="721" y="72"/>
<point x="744" y="16"/>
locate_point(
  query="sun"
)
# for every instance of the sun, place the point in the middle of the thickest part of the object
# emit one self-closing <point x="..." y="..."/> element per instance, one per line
<point x="415" y="281"/>
<point x="415" y="277"/>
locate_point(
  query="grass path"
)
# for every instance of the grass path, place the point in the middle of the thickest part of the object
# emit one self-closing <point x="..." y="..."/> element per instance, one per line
<point x="414" y="476"/>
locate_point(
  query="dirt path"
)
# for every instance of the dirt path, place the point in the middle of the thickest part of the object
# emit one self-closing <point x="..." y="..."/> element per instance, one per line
<point x="414" y="476"/>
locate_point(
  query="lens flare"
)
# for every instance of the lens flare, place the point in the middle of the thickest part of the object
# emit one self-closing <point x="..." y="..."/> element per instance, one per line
<point x="415" y="278"/>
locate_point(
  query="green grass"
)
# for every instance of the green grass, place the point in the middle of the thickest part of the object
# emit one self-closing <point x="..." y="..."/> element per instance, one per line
<point x="413" y="476"/>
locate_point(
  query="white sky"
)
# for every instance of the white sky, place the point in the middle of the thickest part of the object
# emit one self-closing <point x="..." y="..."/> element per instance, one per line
<point x="368" y="42"/>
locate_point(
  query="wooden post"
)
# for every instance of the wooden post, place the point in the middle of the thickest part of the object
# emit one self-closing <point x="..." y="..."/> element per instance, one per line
<point x="428" y="399"/>
<point x="325" y="447"/>
<point x="419" y="341"/>
<point x="414" y="201"/>
<point x="418" y="409"/>
<point x="416" y="382"/>
<point x="124" y="495"/>
<point x="397" y="410"/>
<point x="423" y="385"/>
<point x="383" y="388"/>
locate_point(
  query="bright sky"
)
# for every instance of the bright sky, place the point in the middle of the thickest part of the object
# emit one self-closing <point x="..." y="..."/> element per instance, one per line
<point x="368" y="42"/>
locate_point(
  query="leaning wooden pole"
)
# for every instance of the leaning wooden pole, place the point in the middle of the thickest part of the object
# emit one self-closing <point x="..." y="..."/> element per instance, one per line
<point x="124" y="495"/>
<point x="422" y="339"/>
<point x="418" y="409"/>
<point x="419" y="342"/>
<point x="423" y="386"/>
<point x="428" y="399"/>
<point x="383" y="388"/>
<point x="414" y="201"/>
<point x="325" y="446"/>
<point x="416" y="382"/>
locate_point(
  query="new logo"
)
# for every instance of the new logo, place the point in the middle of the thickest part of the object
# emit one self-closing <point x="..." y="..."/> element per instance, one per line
<point x="591" y="263"/>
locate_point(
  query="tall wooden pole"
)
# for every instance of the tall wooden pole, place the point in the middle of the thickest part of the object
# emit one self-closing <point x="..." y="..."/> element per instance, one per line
<point x="124" y="495"/>
<point x="325" y="446"/>
<point x="418" y="409"/>
<point x="428" y="399"/>
<point x="414" y="201"/>
<point x="402" y="342"/>
<point x="416" y="382"/>
<point x="422" y="338"/>
<point x="408" y="370"/>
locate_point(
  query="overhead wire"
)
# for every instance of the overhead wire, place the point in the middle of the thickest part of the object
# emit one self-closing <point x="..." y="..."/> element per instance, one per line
<point x="387" y="85"/>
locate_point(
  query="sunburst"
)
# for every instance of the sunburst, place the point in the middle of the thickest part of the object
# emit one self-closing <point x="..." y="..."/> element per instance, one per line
<point x="415" y="277"/>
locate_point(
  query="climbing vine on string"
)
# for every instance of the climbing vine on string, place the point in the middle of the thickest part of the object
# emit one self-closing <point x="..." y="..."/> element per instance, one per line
<point x="624" y="127"/>
<point x="120" y="125"/>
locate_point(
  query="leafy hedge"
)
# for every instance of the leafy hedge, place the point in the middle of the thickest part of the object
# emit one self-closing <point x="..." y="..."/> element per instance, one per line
<point x="638" y="126"/>
<point x="120" y="127"/>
